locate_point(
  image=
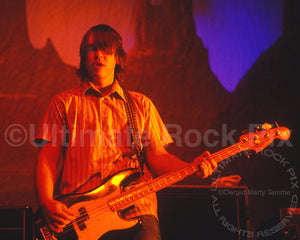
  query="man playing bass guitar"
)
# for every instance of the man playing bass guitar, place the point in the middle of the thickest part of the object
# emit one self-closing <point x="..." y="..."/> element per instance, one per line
<point x="85" y="138"/>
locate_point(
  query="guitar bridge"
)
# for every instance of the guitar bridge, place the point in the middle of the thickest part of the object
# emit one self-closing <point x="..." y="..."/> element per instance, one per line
<point x="47" y="235"/>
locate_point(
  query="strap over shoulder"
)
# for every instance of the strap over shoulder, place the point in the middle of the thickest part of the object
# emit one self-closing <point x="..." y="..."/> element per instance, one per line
<point x="132" y="122"/>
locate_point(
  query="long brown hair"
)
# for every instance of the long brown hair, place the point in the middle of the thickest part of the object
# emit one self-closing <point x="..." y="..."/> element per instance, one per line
<point x="109" y="40"/>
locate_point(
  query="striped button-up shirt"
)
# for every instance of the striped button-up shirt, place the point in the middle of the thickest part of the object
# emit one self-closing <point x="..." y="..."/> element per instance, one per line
<point x="92" y="129"/>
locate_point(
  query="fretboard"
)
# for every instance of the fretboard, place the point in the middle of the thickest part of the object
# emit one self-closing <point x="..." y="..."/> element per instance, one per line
<point x="129" y="197"/>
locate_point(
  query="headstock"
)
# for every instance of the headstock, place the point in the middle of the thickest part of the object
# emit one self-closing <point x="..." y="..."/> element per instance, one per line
<point x="259" y="140"/>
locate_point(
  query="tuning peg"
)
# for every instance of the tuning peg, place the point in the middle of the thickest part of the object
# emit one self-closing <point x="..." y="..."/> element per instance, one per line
<point x="245" y="131"/>
<point x="266" y="126"/>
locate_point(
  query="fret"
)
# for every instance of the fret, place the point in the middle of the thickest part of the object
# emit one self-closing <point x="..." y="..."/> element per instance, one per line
<point x="170" y="180"/>
<point x="155" y="186"/>
<point x="125" y="201"/>
<point x="161" y="183"/>
<point x="117" y="204"/>
<point x="225" y="153"/>
<point x="131" y="197"/>
<point x="219" y="157"/>
<point x="195" y="168"/>
<point x="147" y="191"/>
<point x="139" y="194"/>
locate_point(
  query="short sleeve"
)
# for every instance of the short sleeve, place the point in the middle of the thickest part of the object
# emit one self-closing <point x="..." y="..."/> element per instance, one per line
<point x="52" y="128"/>
<point x="155" y="133"/>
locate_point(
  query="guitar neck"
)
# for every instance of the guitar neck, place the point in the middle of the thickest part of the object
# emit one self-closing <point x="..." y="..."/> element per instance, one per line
<point x="226" y="153"/>
<point x="130" y="196"/>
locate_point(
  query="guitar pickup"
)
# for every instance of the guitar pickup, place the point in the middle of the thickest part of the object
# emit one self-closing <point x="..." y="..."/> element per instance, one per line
<point x="83" y="217"/>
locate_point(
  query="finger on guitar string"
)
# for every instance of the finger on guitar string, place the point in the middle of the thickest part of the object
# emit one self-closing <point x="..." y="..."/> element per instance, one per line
<point x="206" y="169"/>
<point x="206" y="154"/>
<point x="207" y="165"/>
<point x="213" y="163"/>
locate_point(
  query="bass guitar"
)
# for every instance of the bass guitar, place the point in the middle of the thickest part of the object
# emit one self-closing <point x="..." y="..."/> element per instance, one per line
<point x="98" y="211"/>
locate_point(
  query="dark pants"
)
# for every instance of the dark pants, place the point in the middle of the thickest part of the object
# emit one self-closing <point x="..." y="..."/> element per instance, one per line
<point x="147" y="229"/>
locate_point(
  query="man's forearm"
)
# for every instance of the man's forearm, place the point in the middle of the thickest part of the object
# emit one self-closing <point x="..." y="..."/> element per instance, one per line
<point x="161" y="162"/>
<point x="46" y="172"/>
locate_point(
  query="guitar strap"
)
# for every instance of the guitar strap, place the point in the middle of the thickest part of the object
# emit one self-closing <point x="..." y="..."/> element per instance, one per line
<point x="134" y="133"/>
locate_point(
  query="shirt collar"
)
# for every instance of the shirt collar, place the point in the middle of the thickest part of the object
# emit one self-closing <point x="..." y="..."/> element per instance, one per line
<point x="89" y="88"/>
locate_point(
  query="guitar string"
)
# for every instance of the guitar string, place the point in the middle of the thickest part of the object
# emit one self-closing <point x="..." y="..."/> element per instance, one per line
<point x="219" y="156"/>
<point x="99" y="210"/>
<point x="227" y="152"/>
<point x="96" y="210"/>
<point x="160" y="182"/>
<point x="92" y="212"/>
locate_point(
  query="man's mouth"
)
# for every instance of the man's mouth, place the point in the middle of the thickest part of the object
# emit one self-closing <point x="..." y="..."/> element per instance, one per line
<point x="99" y="64"/>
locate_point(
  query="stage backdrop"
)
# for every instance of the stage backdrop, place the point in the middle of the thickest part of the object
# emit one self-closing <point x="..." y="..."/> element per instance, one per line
<point x="212" y="68"/>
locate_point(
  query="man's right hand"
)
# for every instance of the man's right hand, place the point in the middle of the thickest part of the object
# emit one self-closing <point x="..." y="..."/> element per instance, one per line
<point x="57" y="215"/>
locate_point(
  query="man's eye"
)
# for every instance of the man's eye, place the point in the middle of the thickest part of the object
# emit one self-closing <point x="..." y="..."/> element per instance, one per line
<point x="90" y="49"/>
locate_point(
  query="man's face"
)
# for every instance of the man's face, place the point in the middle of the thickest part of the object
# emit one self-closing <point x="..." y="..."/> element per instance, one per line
<point x="100" y="65"/>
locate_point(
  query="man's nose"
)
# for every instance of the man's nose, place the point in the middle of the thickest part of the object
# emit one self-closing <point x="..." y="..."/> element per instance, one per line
<point x="99" y="54"/>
